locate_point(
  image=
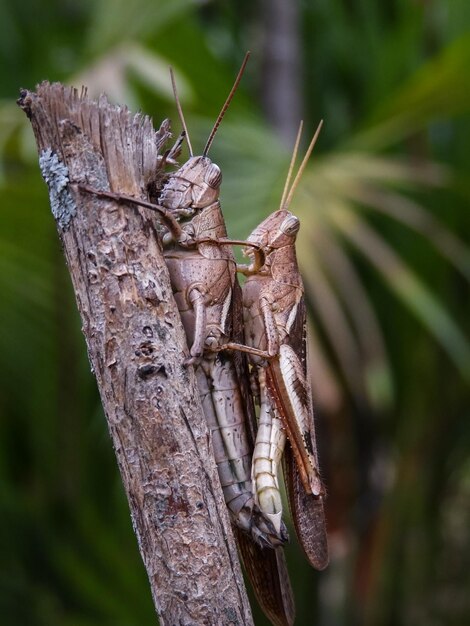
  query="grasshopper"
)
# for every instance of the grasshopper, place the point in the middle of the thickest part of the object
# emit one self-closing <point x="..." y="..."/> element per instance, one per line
<point x="275" y="331"/>
<point x="203" y="275"/>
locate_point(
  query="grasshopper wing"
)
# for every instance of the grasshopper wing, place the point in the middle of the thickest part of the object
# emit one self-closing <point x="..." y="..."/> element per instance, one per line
<point x="307" y="513"/>
<point x="267" y="571"/>
<point x="290" y="385"/>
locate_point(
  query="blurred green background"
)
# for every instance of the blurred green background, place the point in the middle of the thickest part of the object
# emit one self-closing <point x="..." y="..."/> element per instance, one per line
<point x="384" y="209"/>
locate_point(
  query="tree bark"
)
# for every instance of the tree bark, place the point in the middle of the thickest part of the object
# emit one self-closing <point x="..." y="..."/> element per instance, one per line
<point x="136" y="345"/>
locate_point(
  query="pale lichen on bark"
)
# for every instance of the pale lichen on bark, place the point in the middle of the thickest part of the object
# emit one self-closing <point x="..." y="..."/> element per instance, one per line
<point x="56" y="176"/>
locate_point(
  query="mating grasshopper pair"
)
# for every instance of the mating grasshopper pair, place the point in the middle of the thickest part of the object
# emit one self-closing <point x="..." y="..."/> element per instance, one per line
<point x="203" y="274"/>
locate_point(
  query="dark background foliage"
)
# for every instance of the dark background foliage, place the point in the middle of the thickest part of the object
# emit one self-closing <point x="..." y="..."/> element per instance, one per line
<point x="384" y="210"/>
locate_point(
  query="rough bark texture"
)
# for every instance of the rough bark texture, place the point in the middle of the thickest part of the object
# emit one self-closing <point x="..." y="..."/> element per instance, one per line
<point x="136" y="345"/>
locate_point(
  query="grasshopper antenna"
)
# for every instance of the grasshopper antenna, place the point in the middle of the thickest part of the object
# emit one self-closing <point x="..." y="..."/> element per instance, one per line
<point x="302" y="166"/>
<point x="226" y="105"/>
<point x="180" y="111"/>
<point x="291" y="165"/>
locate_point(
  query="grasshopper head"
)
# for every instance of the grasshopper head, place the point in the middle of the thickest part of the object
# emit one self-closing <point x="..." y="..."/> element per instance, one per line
<point x="278" y="230"/>
<point x="195" y="185"/>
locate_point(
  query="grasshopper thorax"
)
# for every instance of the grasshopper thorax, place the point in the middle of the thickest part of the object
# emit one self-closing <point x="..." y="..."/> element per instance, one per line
<point x="195" y="185"/>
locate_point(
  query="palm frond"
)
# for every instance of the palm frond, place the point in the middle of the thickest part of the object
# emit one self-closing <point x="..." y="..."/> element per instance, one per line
<point x="406" y="284"/>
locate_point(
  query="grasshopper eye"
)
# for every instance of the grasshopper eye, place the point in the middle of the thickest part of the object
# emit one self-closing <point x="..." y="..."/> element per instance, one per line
<point x="291" y="225"/>
<point x="213" y="176"/>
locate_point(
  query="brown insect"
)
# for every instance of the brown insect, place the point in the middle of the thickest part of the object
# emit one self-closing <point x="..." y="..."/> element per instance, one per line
<point x="275" y="334"/>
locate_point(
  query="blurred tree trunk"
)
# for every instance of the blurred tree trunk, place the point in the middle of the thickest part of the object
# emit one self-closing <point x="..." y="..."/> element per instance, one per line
<point x="281" y="72"/>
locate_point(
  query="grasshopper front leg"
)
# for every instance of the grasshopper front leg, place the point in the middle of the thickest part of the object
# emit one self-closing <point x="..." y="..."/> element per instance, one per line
<point x="255" y="250"/>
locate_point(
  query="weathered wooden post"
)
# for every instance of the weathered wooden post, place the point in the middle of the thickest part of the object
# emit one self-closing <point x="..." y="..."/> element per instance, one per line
<point x="136" y="345"/>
